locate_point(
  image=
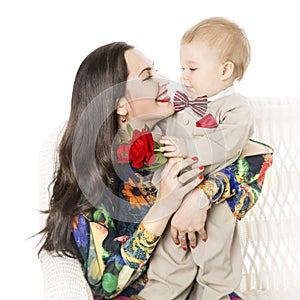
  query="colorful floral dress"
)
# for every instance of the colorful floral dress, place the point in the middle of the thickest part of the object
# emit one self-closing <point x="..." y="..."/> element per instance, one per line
<point x="240" y="183"/>
<point x="115" y="252"/>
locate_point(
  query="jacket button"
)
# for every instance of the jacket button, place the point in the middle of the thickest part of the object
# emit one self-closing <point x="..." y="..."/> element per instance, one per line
<point x="186" y="122"/>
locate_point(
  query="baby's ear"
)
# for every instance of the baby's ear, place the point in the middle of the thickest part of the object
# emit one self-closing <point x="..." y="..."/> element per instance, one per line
<point x="122" y="107"/>
<point x="227" y="70"/>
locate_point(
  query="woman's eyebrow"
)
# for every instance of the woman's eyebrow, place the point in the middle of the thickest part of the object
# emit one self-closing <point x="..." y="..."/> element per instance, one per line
<point x="146" y="69"/>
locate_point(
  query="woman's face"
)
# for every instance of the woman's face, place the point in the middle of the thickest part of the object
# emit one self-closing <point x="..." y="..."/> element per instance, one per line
<point x="146" y="91"/>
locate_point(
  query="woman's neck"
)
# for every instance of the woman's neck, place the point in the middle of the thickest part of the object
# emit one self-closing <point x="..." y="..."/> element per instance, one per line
<point x="125" y="128"/>
<point x="137" y="124"/>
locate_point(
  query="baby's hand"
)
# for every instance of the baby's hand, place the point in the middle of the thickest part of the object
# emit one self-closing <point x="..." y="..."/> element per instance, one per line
<point x="173" y="146"/>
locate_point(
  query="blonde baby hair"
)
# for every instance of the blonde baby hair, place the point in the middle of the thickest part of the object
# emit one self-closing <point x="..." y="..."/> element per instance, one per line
<point x="227" y="38"/>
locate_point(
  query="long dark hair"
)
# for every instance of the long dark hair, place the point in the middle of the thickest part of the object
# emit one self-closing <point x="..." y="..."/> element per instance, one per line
<point x="101" y="70"/>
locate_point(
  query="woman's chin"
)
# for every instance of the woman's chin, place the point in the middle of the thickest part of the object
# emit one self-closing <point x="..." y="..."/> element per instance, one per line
<point x="169" y="109"/>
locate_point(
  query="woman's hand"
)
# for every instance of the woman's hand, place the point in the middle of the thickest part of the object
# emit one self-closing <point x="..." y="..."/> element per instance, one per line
<point x="178" y="177"/>
<point x="189" y="219"/>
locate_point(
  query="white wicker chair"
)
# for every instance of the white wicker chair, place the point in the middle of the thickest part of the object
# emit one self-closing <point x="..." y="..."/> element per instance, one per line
<point x="270" y="233"/>
<point x="63" y="276"/>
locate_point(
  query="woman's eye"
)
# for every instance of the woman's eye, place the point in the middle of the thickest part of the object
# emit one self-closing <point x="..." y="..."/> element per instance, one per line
<point x="147" y="78"/>
<point x="193" y="69"/>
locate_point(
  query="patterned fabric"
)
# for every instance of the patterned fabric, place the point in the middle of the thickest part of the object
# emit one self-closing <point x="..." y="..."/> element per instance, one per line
<point x="198" y="105"/>
<point x="239" y="184"/>
<point x="234" y="296"/>
<point x="115" y="253"/>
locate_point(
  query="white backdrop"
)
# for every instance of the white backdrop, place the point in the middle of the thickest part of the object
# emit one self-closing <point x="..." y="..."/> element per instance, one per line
<point x="42" y="46"/>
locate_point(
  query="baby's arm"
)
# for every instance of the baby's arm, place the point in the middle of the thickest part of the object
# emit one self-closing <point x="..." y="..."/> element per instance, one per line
<point x="174" y="146"/>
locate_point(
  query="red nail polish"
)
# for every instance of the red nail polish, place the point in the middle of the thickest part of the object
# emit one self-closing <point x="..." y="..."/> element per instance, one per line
<point x="184" y="249"/>
<point x="201" y="177"/>
<point x="193" y="247"/>
<point x="195" y="158"/>
<point x="176" y="244"/>
<point x="201" y="168"/>
<point x="204" y="240"/>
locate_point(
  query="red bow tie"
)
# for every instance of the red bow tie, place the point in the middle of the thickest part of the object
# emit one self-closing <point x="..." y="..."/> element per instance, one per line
<point x="198" y="105"/>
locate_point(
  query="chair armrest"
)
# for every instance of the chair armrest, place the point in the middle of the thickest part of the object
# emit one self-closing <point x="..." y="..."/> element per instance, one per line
<point x="63" y="278"/>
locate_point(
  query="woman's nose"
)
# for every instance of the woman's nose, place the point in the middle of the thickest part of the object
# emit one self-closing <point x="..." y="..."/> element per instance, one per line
<point x="162" y="80"/>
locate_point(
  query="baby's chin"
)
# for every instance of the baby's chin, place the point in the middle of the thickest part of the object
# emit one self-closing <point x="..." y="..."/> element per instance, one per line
<point x="191" y="94"/>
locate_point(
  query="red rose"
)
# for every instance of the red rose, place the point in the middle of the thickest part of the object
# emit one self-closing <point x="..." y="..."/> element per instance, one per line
<point x="141" y="149"/>
<point x="122" y="153"/>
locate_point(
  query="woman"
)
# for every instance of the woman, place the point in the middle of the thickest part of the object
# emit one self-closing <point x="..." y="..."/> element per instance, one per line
<point x="104" y="210"/>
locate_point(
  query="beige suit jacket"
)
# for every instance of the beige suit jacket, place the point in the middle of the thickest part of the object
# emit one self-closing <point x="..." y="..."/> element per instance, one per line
<point x="217" y="147"/>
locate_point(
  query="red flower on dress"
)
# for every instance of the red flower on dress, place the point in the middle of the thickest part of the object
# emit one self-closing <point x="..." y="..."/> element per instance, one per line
<point x="122" y="238"/>
<point x="265" y="166"/>
<point x="122" y="153"/>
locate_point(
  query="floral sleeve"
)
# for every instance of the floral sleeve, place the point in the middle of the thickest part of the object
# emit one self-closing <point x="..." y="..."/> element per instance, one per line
<point x="111" y="261"/>
<point x="240" y="183"/>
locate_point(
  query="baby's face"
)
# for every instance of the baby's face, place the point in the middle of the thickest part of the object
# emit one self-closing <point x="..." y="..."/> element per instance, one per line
<point x="201" y="70"/>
